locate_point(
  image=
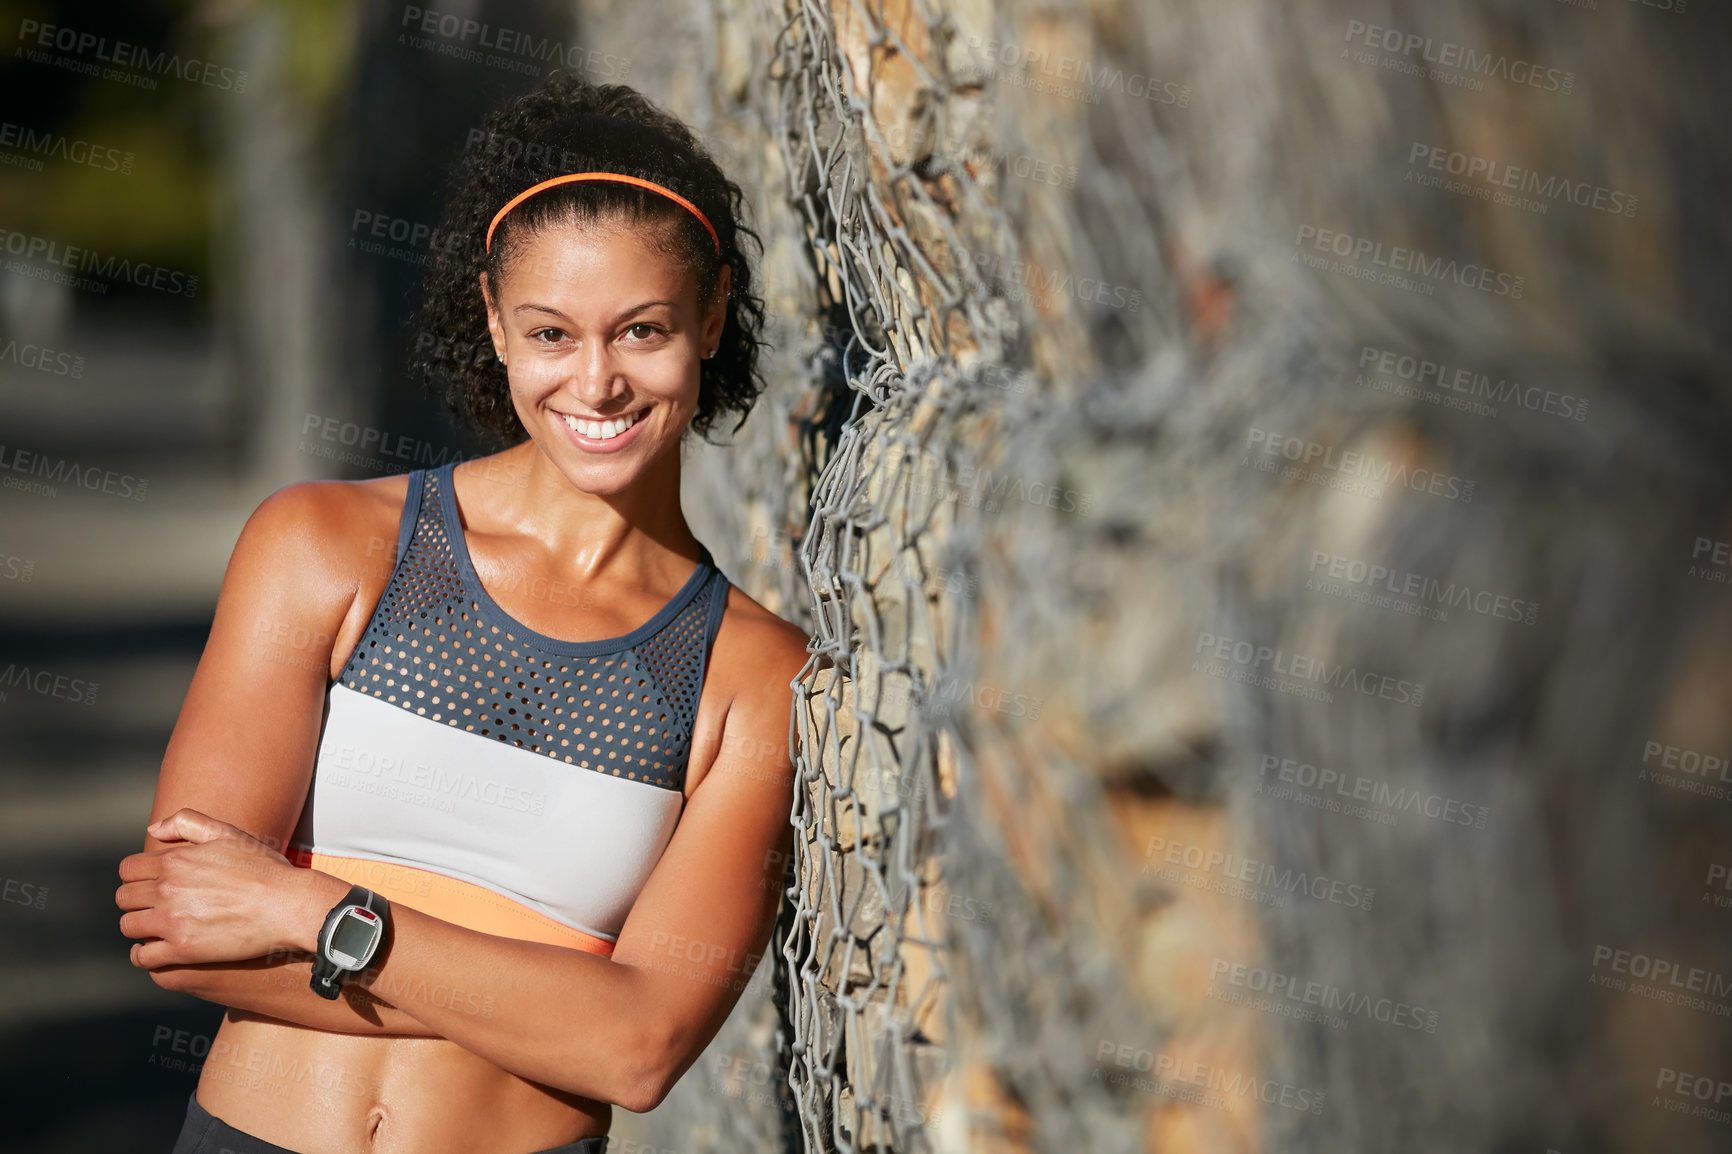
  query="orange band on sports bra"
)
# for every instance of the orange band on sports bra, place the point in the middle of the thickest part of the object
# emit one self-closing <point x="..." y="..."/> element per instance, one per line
<point x="622" y="178"/>
<point x="451" y="899"/>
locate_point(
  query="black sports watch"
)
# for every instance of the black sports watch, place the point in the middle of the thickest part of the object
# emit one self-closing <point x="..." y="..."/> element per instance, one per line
<point x="350" y="937"/>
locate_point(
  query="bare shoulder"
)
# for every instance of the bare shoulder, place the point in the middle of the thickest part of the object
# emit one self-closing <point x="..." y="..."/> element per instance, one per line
<point x="756" y="658"/>
<point x="758" y="652"/>
<point x="330" y="511"/>
<point x="339" y="528"/>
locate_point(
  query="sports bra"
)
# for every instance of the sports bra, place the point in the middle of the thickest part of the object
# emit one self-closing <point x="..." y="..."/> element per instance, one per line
<point x="492" y="776"/>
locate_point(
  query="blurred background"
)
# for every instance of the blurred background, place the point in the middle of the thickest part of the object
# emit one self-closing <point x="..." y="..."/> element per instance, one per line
<point x="1258" y="478"/>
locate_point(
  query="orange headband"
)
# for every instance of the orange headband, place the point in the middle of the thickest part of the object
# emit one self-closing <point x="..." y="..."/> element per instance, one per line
<point x="575" y="176"/>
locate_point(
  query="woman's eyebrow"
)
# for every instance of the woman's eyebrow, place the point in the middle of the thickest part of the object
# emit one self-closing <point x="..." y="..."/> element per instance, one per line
<point x="535" y="308"/>
<point x="528" y="306"/>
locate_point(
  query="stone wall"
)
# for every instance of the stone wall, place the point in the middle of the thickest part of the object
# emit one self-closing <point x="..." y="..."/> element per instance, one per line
<point x="1257" y="475"/>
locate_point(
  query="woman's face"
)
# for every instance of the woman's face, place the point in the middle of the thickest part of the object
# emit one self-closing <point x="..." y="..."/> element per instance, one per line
<point x="602" y="338"/>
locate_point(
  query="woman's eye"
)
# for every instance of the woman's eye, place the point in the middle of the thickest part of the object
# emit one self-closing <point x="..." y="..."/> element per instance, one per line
<point x="546" y="336"/>
<point x="649" y="330"/>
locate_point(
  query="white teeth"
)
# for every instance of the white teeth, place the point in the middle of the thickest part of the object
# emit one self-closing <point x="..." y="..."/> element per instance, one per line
<point x="603" y="430"/>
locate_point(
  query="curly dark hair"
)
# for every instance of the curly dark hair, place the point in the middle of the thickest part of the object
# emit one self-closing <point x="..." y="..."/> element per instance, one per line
<point x="567" y="125"/>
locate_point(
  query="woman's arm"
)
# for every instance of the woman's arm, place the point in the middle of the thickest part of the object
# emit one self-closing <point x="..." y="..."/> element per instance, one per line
<point x="281" y="988"/>
<point x="620" y="1029"/>
<point x="303" y="578"/>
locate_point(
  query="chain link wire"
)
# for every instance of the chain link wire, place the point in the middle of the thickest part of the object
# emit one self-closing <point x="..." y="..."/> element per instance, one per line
<point x="881" y="146"/>
<point x="1037" y="299"/>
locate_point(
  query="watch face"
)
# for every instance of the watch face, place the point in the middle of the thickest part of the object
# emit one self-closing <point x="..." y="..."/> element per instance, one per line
<point x="353" y="937"/>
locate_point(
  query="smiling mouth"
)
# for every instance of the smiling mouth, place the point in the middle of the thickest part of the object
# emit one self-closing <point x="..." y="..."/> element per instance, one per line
<point x="603" y="430"/>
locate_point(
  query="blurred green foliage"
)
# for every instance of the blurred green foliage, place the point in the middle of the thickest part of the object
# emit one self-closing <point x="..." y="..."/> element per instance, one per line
<point x="163" y="209"/>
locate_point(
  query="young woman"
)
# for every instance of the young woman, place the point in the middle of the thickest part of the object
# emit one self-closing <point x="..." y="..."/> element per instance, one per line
<point x="511" y="699"/>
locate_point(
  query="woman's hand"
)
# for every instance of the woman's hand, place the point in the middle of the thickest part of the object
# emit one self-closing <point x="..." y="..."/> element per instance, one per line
<point x="218" y="895"/>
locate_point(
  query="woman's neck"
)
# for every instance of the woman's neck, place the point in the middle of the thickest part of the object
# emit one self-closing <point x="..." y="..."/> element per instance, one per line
<point x="522" y="491"/>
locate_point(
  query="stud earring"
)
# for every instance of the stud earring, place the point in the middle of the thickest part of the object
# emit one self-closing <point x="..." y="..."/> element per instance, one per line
<point x="499" y="355"/>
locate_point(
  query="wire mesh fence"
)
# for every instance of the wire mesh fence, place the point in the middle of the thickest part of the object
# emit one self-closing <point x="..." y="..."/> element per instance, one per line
<point x="1241" y="488"/>
<point x="875" y="149"/>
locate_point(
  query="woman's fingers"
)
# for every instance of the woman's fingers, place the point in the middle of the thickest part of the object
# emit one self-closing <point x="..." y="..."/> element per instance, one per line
<point x="189" y="825"/>
<point x="138" y="895"/>
<point x="213" y="900"/>
<point x="141" y="866"/>
<point x="145" y="923"/>
<point x="153" y="954"/>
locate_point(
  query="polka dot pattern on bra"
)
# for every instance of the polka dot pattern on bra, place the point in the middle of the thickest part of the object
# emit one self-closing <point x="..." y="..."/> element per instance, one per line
<point x="438" y="649"/>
